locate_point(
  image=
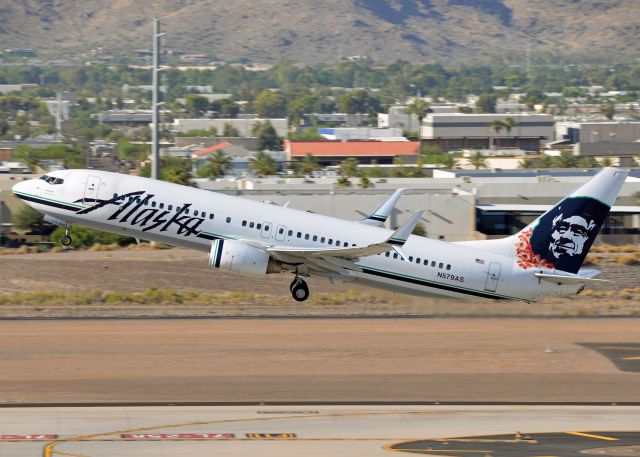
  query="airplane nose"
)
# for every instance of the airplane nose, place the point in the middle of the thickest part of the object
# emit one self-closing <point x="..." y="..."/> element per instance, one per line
<point x="19" y="187"/>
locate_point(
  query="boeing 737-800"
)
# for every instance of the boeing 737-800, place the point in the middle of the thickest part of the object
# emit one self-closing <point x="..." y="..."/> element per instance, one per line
<point x="254" y="238"/>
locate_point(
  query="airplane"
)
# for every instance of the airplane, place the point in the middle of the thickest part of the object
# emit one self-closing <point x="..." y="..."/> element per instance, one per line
<point x="256" y="238"/>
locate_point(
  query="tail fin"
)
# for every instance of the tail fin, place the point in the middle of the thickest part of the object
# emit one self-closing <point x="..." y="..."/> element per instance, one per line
<point x="562" y="236"/>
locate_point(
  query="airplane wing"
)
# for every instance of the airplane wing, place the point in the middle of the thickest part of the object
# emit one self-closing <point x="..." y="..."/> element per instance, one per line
<point x="381" y="214"/>
<point x="393" y="242"/>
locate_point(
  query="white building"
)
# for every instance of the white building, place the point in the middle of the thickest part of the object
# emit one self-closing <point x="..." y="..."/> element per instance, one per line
<point x="244" y="126"/>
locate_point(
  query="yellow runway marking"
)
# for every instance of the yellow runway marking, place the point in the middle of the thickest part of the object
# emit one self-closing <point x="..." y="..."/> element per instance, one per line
<point x="588" y="435"/>
<point x="623" y="348"/>
<point x="631" y="358"/>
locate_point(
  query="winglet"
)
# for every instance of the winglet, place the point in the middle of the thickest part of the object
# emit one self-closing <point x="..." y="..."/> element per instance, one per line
<point x="381" y="214"/>
<point x="400" y="236"/>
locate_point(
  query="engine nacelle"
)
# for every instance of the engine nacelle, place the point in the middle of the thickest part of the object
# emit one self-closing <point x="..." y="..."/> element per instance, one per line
<point x="237" y="257"/>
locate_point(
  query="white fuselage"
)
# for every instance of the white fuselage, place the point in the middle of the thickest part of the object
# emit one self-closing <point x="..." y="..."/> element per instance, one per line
<point x="148" y="209"/>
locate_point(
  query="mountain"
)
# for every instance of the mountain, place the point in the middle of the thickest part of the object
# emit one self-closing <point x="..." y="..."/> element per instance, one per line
<point x="448" y="31"/>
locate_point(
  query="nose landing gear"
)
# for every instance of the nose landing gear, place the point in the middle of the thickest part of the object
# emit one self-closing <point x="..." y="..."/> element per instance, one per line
<point x="299" y="289"/>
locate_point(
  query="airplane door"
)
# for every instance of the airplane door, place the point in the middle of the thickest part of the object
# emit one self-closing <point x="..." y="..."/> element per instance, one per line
<point x="91" y="189"/>
<point x="493" y="275"/>
<point x="266" y="230"/>
<point x="281" y="232"/>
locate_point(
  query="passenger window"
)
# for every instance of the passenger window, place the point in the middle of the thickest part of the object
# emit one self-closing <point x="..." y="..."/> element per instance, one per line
<point x="322" y="239"/>
<point x="195" y="213"/>
<point x="178" y="209"/>
<point x="281" y="231"/>
<point x="186" y="211"/>
<point x="440" y="265"/>
<point x="299" y="235"/>
<point x="266" y="228"/>
<point x="203" y="214"/>
<point x="211" y="216"/>
<point x="345" y="244"/>
<point x="330" y="241"/>
<point x="251" y="224"/>
<point x="425" y="262"/>
<point x="244" y="223"/>
<point x="410" y="258"/>
<point x="338" y="243"/>
<point x="386" y="254"/>
<point x="161" y="205"/>
<point x="395" y="255"/>
<point x="448" y="267"/>
<point x="290" y="233"/>
<point x="417" y="259"/>
<point x="170" y="207"/>
<point x="258" y="226"/>
<point x="153" y="204"/>
<point x="315" y="237"/>
<point x="228" y="220"/>
<point x="433" y="263"/>
<point x="306" y="236"/>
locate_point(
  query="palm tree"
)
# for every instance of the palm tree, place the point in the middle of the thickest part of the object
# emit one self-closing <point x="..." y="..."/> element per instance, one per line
<point x="527" y="163"/>
<point x="263" y="165"/>
<point x="365" y="183"/>
<point x="420" y="108"/>
<point x="606" y="162"/>
<point x="608" y="110"/>
<point x="478" y="160"/>
<point x="448" y="161"/>
<point x="508" y="124"/>
<point x="218" y="164"/>
<point x="309" y="164"/>
<point x="496" y="126"/>
<point x="349" y="167"/>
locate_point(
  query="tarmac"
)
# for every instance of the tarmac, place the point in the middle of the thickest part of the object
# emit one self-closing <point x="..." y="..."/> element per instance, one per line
<point x="321" y="430"/>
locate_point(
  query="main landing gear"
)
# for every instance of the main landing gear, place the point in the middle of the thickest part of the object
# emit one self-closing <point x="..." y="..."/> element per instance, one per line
<point x="299" y="289"/>
<point x="66" y="238"/>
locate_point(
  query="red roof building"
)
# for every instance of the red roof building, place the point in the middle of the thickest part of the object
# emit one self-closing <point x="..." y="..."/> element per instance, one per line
<point x="367" y="152"/>
<point x="210" y="149"/>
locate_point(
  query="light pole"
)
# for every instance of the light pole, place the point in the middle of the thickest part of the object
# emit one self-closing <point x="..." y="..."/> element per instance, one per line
<point x="155" y="103"/>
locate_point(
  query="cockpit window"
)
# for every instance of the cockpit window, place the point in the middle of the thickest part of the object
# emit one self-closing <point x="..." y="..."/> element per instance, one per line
<point x="52" y="180"/>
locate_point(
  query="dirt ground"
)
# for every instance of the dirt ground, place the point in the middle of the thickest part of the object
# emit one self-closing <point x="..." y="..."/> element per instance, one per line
<point x="355" y="360"/>
<point x="185" y="270"/>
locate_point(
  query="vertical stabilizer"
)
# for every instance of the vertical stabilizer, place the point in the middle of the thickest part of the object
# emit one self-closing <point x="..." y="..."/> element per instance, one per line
<point x="562" y="237"/>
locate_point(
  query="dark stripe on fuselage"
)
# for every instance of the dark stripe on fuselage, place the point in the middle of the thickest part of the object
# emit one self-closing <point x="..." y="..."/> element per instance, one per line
<point x="378" y="218"/>
<point x="219" y="253"/>
<point x="42" y="201"/>
<point x="396" y="242"/>
<point x="207" y="237"/>
<point x="435" y="285"/>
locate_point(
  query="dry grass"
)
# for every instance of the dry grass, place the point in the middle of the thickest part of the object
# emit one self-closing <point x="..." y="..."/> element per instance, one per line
<point x="629" y="259"/>
<point x="610" y="248"/>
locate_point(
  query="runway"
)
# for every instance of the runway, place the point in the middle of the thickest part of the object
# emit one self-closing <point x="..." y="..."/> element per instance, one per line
<point x="318" y="431"/>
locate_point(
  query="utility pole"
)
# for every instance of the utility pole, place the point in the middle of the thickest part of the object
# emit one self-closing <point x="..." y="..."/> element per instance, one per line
<point x="155" y="103"/>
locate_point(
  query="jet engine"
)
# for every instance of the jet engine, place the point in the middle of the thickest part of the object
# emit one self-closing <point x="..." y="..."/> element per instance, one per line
<point x="237" y="257"/>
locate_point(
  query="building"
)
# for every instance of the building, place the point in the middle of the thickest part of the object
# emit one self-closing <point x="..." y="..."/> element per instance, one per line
<point x="334" y="119"/>
<point x="244" y="126"/>
<point x="362" y="133"/>
<point x="474" y="131"/>
<point x="367" y="152"/>
<point x="126" y="117"/>
<point x="615" y="139"/>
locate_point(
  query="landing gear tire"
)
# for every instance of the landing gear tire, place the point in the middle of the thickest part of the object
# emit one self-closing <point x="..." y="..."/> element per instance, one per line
<point x="299" y="290"/>
<point x="65" y="240"/>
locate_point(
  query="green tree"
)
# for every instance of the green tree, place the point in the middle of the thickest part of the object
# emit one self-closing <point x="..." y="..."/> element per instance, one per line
<point x="226" y="108"/>
<point x="606" y="162"/>
<point x="349" y="167"/>
<point x="267" y="136"/>
<point x="478" y="161"/>
<point x="420" y="108"/>
<point x="608" y="110"/>
<point x="196" y="105"/>
<point x="565" y="160"/>
<point x="309" y="164"/>
<point x="496" y="126"/>
<point x="130" y="151"/>
<point x="270" y="104"/>
<point x="172" y="169"/>
<point x="343" y="182"/>
<point x="486" y="103"/>
<point x="27" y="218"/>
<point x="230" y="131"/>
<point x="588" y="162"/>
<point x="218" y="164"/>
<point x="359" y="101"/>
<point x="448" y="161"/>
<point x="30" y="157"/>
<point x="364" y="183"/>
<point x="263" y="164"/>
<point x="545" y="161"/>
<point x="84" y="237"/>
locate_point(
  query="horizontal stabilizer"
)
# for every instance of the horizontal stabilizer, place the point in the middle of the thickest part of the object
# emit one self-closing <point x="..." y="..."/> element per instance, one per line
<point x="565" y="279"/>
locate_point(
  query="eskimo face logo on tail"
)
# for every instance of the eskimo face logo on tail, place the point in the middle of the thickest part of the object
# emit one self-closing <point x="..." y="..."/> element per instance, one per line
<point x="563" y="236"/>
